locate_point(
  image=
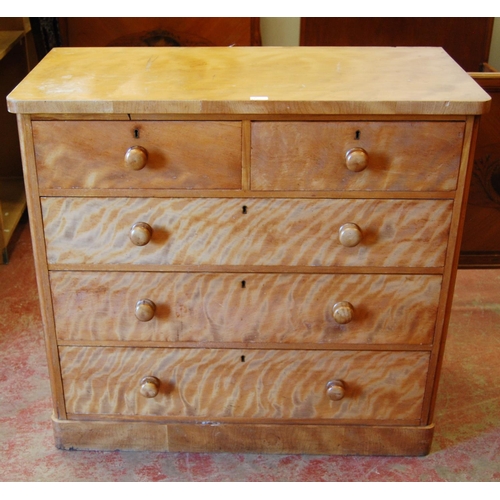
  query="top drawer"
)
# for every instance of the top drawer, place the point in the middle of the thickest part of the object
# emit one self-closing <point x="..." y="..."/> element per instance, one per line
<point x="399" y="156"/>
<point x="177" y="155"/>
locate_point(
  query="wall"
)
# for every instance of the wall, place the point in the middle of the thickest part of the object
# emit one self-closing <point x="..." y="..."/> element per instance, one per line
<point x="280" y="31"/>
<point x="495" y="45"/>
<point x="285" y="31"/>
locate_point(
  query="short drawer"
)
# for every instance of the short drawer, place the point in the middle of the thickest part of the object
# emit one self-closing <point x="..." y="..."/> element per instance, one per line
<point x="128" y="155"/>
<point x="393" y="156"/>
<point x="265" y="232"/>
<point x="250" y="308"/>
<point x="240" y="384"/>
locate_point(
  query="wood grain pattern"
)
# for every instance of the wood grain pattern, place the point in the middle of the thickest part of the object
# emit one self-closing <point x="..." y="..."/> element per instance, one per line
<point x="181" y="155"/>
<point x="232" y="383"/>
<point x="271" y="232"/>
<point x="255" y="308"/>
<point x="316" y="439"/>
<point x="402" y="156"/>
<point x="243" y="438"/>
<point x="319" y="80"/>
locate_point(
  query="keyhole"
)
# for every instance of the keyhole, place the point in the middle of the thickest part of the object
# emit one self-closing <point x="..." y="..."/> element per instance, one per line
<point x="244" y="209"/>
<point x="136" y="133"/>
<point x="243" y="284"/>
<point x="242" y="359"/>
<point x="358" y="133"/>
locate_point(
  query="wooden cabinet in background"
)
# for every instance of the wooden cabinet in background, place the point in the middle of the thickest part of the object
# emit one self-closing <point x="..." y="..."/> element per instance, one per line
<point x="466" y="39"/>
<point x="159" y="31"/>
<point x="13" y="68"/>
<point x="481" y="238"/>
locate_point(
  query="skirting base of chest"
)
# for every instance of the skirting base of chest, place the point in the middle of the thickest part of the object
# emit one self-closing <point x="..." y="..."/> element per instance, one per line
<point x="243" y="438"/>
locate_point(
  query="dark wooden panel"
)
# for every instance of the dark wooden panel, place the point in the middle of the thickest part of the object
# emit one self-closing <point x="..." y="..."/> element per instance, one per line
<point x="159" y="31"/>
<point x="13" y="68"/>
<point x="466" y="39"/>
<point x="481" y="239"/>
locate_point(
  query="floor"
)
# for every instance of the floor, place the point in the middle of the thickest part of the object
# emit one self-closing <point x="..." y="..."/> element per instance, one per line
<point x="466" y="446"/>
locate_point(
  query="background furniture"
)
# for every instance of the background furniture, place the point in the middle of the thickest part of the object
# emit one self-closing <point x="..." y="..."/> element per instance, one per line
<point x="468" y="41"/>
<point x="159" y="31"/>
<point x="481" y="239"/>
<point x="16" y="57"/>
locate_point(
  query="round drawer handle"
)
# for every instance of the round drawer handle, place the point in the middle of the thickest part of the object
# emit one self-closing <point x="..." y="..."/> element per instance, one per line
<point x="343" y="312"/>
<point x="136" y="158"/>
<point x="149" y="387"/>
<point x="350" y="234"/>
<point x="145" y="310"/>
<point x="356" y="159"/>
<point x="335" y="390"/>
<point x="141" y="233"/>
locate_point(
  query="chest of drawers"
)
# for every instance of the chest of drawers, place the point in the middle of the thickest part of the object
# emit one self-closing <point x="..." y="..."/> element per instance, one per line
<point x="246" y="249"/>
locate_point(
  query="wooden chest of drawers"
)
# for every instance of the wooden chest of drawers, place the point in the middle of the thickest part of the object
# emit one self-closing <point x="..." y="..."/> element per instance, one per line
<point x="246" y="249"/>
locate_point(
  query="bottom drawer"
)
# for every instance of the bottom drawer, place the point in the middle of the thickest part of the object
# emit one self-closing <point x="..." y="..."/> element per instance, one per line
<point x="245" y="383"/>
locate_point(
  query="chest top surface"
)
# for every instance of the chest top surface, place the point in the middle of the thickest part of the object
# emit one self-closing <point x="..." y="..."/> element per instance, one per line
<point x="254" y="80"/>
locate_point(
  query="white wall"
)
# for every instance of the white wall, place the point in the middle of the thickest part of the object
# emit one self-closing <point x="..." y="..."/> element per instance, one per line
<point x="285" y="31"/>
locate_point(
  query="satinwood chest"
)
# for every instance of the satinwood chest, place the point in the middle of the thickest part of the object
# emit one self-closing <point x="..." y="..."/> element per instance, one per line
<point x="246" y="249"/>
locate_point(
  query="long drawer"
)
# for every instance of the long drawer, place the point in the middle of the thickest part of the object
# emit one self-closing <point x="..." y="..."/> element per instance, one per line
<point x="394" y="156"/>
<point x="175" y="155"/>
<point x="285" y="232"/>
<point x="227" y="383"/>
<point x="206" y="307"/>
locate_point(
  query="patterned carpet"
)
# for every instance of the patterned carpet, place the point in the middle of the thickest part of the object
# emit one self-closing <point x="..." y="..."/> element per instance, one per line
<point x="466" y="444"/>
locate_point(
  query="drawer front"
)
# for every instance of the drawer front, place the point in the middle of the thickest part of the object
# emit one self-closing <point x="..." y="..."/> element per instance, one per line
<point x="226" y="383"/>
<point x="401" y="156"/>
<point x="253" y="308"/>
<point x="285" y="232"/>
<point x="180" y="155"/>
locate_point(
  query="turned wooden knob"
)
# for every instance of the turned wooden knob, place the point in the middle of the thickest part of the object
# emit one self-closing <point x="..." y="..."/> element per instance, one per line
<point x="356" y="159"/>
<point x="149" y="386"/>
<point x="335" y="390"/>
<point x="140" y="233"/>
<point x="145" y="310"/>
<point x="136" y="158"/>
<point x="350" y="234"/>
<point x="343" y="312"/>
